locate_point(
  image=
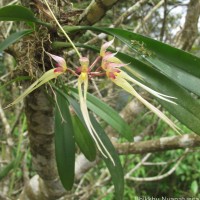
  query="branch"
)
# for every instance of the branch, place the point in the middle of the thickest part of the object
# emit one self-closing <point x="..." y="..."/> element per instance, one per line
<point x="82" y="165"/>
<point x="95" y="11"/>
<point x="150" y="13"/>
<point x="162" y="32"/>
<point x="162" y="144"/>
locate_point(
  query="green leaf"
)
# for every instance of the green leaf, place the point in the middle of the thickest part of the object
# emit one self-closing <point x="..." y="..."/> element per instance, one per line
<point x="194" y="187"/>
<point x="81" y="134"/>
<point x="107" y="113"/>
<point x="17" y="13"/>
<point x="5" y="170"/>
<point x="64" y="143"/>
<point x="13" y="38"/>
<point x="19" y="78"/>
<point x="116" y="170"/>
<point x="176" y="64"/>
<point x="83" y="139"/>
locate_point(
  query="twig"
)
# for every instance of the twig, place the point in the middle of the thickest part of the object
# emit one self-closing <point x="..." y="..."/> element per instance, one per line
<point x="162" y="32"/>
<point x="159" y="177"/>
<point x="149" y="15"/>
<point x="138" y="165"/>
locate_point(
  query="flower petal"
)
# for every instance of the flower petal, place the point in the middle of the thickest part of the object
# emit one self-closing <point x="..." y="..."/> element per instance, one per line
<point x="105" y="46"/>
<point x="115" y="65"/>
<point x="61" y="61"/>
<point x="84" y="61"/>
<point x="111" y="57"/>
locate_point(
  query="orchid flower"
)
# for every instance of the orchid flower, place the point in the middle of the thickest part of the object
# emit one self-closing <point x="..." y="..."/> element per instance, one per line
<point x="111" y="65"/>
<point x="47" y="76"/>
<point x="83" y="80"/>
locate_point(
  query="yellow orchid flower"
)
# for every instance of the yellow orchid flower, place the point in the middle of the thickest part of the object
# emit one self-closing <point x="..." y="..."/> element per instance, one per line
<point x="47" y="76"/>
<point x="83" y="80"/>
<point x="111" y="65"/>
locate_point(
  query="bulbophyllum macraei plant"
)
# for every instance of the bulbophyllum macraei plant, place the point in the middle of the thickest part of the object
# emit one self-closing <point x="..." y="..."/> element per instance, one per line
<point x="112" y="68"/>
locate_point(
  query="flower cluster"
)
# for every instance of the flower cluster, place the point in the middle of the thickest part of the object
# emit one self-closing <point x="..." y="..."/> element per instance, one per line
<point x="110" y="66"/>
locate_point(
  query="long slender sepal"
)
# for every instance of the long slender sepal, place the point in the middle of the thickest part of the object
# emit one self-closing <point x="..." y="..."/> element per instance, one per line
<point x="126" y="86"/>
<point x="153" y="92"/>
<point x="42" y="80"/>
<point x="84" y="110"/>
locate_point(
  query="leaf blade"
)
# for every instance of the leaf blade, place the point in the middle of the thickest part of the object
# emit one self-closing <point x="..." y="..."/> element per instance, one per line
<point x="176" y="64"/>
<point x="115" y="171"/>
<point x="13" y="38"/>
<point x="16" y="13"/>
<point x="64" y="143"/>
<point x="83" y="139"/>
<point x="81" y="134"/>
<point x="188" y="109"/>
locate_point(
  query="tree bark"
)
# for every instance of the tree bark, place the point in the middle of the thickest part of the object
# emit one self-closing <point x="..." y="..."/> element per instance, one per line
<point x="186" y="38"/>
<point x="40" y="120"/>
<point x="40" y="117"/>
<point x="162" y="144"/>
<point x="95" y="11"/>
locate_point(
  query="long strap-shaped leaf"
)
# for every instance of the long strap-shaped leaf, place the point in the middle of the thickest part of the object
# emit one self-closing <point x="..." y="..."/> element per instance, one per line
<point x="13" y="38"/>
<point x="83" y="139"/>
<point x="19" y="13"/>
<point x="64" y="142"/>
<point x="81" y="135"/>
<point x="116" y="170"/>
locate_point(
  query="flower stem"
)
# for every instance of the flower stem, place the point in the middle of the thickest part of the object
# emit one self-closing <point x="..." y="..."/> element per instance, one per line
<point x="68" y="38"/>
<point x="95" y="62"/>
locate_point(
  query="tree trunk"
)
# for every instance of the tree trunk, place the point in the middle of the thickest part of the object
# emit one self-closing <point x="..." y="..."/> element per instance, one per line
<point x="186" y="38"/>
<point x="40" y="117"/>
